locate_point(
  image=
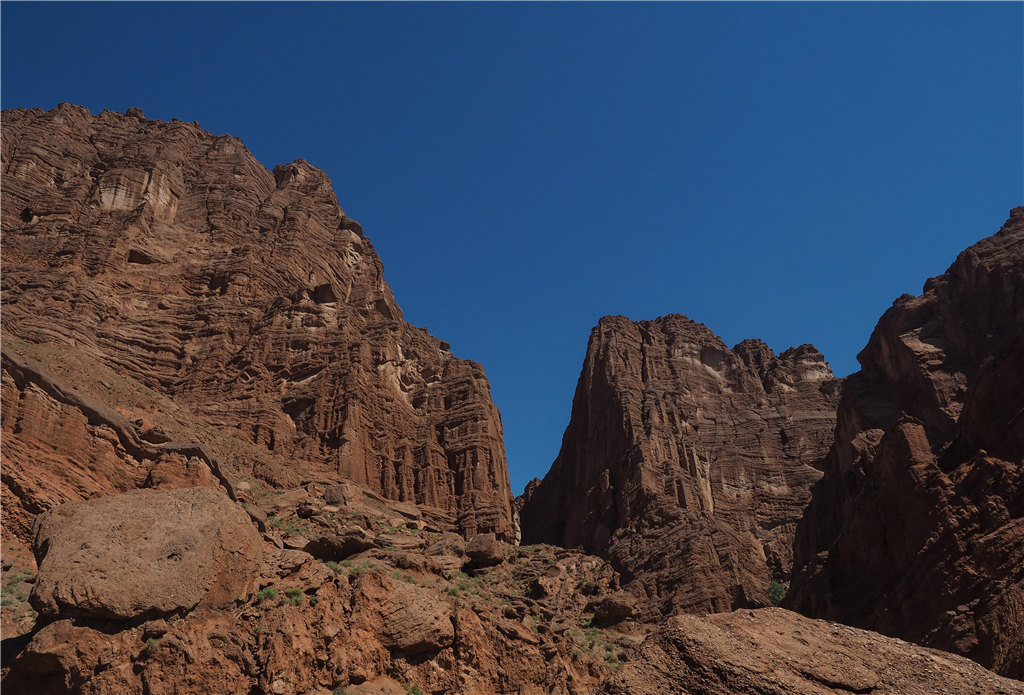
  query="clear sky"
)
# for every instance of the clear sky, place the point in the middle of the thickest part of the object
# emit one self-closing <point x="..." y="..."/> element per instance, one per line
<point x="778" y="171"/>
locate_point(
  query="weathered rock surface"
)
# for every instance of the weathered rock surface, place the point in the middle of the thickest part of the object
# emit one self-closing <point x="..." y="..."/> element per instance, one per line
<point x="335" y="547"/>
<point x="687" y="464"/>
<point x="245" y="299"/>
<point x="916" y="529"/>
<point x="381" y="621"/>
<point x="485" y="550"/>
<point x="144" y="553"/>
<point x="774" y="652"/>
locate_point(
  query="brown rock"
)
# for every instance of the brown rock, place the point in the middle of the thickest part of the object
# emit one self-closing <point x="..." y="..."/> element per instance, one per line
<point x="615" y="607"/>
<point x="775" y="651"/>
<point x="485" y="550"/>
<point x="143" y="553"/>
<point x="145" y="246"/>
<point x="687" y="464"/>
<point x="335" y="547"/>
<point x="173" y="471"/>
<point x="449" y="544"/>
<point x="918" y="514"/>
<point x="412" y="619"/>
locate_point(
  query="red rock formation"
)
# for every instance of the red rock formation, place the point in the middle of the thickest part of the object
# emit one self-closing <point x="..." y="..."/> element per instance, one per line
<point x="246" y="300"/>
<point x="916" y="529"/>
<point x="687" y="464"/>
<point x="774" y="651"/>
<point x="398" y="614"/>
<point x="144" y="553"/>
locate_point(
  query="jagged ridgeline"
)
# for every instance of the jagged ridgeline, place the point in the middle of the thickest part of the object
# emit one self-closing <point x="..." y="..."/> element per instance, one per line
<point x="687" y="464"/>
<point x="168" y="274"/>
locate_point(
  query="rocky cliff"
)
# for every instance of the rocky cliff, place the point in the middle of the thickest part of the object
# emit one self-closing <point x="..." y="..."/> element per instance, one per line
<point x="916" y="529"/>
<point x="687" y="464"/>
<point x="166" y="274"/>
<point x="230" y="466"/>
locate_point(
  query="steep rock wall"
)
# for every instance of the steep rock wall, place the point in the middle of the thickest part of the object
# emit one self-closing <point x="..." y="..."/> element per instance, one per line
<point x="245" y="297"/>
<point x="917" y="528"/>
<point x="685" y="463"/>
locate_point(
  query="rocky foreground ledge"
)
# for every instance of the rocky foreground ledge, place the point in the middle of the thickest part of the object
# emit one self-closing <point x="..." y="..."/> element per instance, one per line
<point x="367" y="596"/>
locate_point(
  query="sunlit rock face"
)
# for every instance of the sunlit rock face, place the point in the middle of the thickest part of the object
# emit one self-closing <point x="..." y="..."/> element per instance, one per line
<point x="916" y="528"/>
<point x="166" y="256"/>
<point x="687" y="464"/>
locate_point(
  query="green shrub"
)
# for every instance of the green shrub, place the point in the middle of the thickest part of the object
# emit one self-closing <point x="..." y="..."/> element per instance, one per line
<point x="453" y="591"/>
<point x="776" y="592"/>
<point x="294" y="597"/>
<point x="266" y="594"/>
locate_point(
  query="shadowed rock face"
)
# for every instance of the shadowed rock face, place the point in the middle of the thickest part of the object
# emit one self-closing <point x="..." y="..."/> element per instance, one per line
<point x="916" y="529"/>
<point x="687" y="464"/>
<point x="244" y="297"/>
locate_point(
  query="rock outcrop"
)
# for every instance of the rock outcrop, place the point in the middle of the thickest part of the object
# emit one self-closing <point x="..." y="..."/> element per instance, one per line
<point x="916" y="529"/>
<point x="687" y="464"/>
<point x="167" y="274"/>
<point x="144" y="553"/>
<point x="775" y="652"/>
<point x="399" y="615"/>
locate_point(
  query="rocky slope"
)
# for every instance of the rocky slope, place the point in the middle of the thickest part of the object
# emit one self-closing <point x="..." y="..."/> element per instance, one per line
<point x="367" y="596"/>
<point x="176" y="281"/>
<point x="686" y="464"/>
<point x="364" y="595"/>
<point x="774" y="652"/>
<point x="917" y="528"/>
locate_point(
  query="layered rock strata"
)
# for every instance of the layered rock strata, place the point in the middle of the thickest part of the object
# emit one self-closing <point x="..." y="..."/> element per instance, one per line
<point x="687" y="464"/>
<point x="917" y="528"/>
<point x="247" y="300"/>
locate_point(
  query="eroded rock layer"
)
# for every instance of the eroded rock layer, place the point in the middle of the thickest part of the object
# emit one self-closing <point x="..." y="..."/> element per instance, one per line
<point x="775" y="652"/>
<point x="917" y="528"/>
<point x="687" y="464"/>
<point x="243" y="298"/>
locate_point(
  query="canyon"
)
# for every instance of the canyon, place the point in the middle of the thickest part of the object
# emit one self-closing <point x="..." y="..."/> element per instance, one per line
<point x="229" y="464"/>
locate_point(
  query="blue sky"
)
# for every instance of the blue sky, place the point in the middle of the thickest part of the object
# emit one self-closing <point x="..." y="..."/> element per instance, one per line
<point x="779" y="171"/>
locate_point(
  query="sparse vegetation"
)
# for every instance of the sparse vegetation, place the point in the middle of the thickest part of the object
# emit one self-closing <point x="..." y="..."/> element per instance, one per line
<point x="356" y="570"/>
<point x="776" y="592"/>
<point x="267" y="594"/>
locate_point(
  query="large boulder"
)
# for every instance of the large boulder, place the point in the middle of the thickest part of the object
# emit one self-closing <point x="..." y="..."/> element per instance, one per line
<point x="402" y="616"/>
<point x="335" y="547"/>
<point x="485" y="550"/>
<point x="144" y="553"/>
<point x="774" y="651"/>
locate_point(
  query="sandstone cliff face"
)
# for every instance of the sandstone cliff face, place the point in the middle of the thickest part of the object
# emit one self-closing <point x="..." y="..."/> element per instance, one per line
<point x="250" y="310"/>
<point x="916" y="529"/>
<point x="687" y="464"/>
